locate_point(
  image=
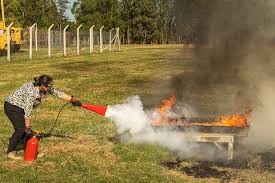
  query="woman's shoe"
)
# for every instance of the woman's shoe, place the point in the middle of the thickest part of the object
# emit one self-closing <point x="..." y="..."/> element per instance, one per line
<point x="40" y="155"/>
<point x="12" y="155"/>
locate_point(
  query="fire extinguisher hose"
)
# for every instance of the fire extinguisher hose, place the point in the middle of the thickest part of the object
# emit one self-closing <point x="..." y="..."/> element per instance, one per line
<point x="48" y="134"/>
<point x="57" y="117"/>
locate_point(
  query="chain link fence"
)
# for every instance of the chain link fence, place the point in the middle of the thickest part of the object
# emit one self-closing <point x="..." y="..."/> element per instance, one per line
<point x="39" y="44"/>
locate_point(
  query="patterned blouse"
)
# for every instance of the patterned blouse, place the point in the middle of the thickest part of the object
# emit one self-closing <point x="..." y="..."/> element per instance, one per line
<point x="28" y="97"/>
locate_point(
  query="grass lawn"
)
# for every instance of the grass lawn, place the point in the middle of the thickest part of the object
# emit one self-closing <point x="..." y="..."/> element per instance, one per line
<point x="105" y="79"/>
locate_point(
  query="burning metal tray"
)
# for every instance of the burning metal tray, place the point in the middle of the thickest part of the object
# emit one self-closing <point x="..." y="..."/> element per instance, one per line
<point x="201" y="124"/>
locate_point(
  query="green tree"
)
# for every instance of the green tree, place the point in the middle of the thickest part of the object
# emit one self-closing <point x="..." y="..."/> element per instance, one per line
<point x="42" y="12"/>
<point x="28" y="12"/>
<point x="13" y="11"/>
<point x="140" y="17"/>
<point x="97" y="12"/>
<point x="137" y="19"/>
<point x="165" y="11"/>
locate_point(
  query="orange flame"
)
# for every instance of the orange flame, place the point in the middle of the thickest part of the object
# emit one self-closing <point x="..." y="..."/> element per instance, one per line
<point x="167" y="104"/>
<point x="234" y="120"/>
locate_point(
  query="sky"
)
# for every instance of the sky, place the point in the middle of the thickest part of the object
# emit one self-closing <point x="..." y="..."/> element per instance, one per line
<point x="68" y="12"/>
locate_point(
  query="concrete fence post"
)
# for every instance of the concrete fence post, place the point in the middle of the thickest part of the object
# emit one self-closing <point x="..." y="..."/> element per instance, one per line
<point x="92" y="39"/>
<point x="118" y="38"/>
<point x="35" y="34"/>
<point x="110" y="40"/>
<point x="31" y="28"/>
<point x="64" y="41"/>
<point x="101" y="39"/>
<point x="77" y="39"/>
<point x="49" y="40"/>
<point x="9" y="42"/>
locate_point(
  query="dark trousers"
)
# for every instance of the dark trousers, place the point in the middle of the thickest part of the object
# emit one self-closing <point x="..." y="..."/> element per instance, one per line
<point x="16" y="116"/>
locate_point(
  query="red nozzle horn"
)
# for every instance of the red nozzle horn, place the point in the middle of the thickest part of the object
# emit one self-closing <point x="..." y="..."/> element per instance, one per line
<point x="96" y="108"/>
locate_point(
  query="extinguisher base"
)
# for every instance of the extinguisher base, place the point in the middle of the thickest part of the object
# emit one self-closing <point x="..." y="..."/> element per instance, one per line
<point x="31" y="150"/>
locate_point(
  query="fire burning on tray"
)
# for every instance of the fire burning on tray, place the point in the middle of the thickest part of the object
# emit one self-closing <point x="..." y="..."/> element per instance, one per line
<point x="235" y="120"/>
<point x="165" y="119"/>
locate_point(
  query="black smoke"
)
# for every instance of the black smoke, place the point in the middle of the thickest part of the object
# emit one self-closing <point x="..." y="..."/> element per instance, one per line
<point x="234" y="43"/>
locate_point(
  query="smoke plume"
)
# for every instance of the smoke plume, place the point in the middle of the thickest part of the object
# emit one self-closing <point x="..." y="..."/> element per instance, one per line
<point x="233" y="64"/>
<point x="233" y="68"/>
<point x="134" y="125"/>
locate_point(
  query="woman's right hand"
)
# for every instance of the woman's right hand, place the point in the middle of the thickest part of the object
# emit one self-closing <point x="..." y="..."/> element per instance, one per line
<point x="75" y="102"/>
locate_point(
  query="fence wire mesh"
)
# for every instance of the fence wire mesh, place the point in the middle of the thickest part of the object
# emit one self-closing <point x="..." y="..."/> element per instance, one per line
<point x="40" y="48"/>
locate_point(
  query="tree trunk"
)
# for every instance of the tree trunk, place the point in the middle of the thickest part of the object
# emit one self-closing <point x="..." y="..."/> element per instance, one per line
<point x="128" y="35"/>
<point x="145" y="38"/>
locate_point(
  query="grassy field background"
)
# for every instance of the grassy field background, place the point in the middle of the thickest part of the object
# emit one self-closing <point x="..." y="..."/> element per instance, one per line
<point x="89" y="156"/>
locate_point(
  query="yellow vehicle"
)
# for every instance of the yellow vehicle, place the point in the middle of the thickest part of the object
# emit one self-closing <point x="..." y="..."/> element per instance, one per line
<point x="16" y="35"/>
<point x="3" y="36"/>
<point x="16" y="38"/>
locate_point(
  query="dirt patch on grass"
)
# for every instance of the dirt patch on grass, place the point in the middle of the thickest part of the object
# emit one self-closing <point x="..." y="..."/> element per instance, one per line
<point x="196" y="170"/>
<point x="250" y="168"/>
<point x="84" y="143"/>
<point x="81" y="146"/>
<point x="14" y="164"/>
<point x="187" y="177"/>
<point x="204" y="171"/>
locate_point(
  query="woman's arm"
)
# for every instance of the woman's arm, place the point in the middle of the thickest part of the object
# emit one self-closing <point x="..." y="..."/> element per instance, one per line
<point x="27" y="122"/>
<point x="28" y="107"/>
<point x="62" y="95"/>
<point x="66" y="97"/>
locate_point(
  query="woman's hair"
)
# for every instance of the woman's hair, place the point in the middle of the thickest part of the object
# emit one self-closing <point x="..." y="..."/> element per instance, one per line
<point x="44" y="80"/>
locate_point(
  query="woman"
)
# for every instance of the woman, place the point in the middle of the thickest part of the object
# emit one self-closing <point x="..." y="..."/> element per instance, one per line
<point x="19" y="105"/>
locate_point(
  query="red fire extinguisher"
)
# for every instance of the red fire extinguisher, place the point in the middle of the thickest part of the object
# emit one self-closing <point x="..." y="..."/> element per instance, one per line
<point x="31" y="149"/>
